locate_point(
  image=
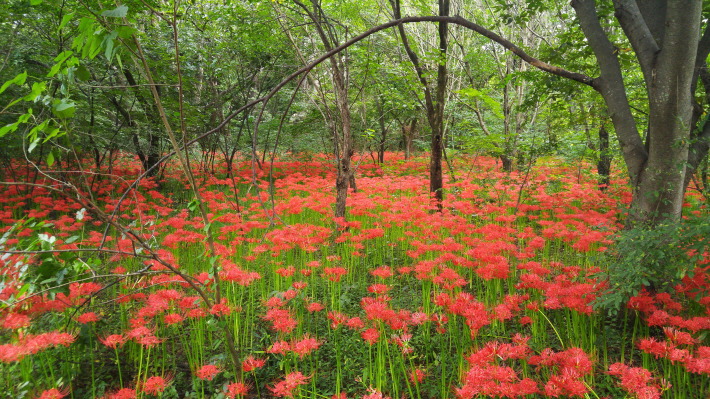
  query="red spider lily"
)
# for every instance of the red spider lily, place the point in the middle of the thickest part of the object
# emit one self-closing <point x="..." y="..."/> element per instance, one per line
<point x="281" y="320"/>
<point x="232" y="272"/>
<point x="31" y="344"/>
<point x="173" y="318"/>
<point x="113" y="341"/>
<point x="221" y="309"/>
<point x="290" y="294"/>
<point x="14" y="321"/>
<point x="207" y="372"/>
<point x="493" y="380"/>
<point x="236" y="389"/>
<point x="275" y="302"/>
<point x="382" y="272"/>
<point x="679" y="337"/>
<point x="155" y="385"/>
<point x="654" y="347"/>
<point x="334" y="273"/>
<point x="77" y="290"/>
<point x="304" y="346"/>
<point x="416" y="376"/>
<point x="418" y="318"/>
<point x="700" y="363"/>
<point x="371" y="335"/>
<point x="525" y="320"/>
<point x="196" y="313"/>
<point x="638" y="381"/>
<point x="54" y="393"/>
<point x="377" y="309"/>
<point x="88" y="317"/>
<point x="378" y="288"/>
<point x="373" y="393"/>
<point x="280" y="347"/>
<point x="252" y="363"/>
<point x="286" y="272"/>
<point x="336" y="319"/>
<point x="149" y="341"/>
<point x="291" y="381"/>
<point x="313" y="307"/>
<point x="355" y="323"/>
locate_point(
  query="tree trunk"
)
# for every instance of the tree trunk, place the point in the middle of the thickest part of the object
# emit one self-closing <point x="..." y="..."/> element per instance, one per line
<point x="434" y="102"/>
<point x="408" y="132"/>
<point x="436" y="175"/>
<point x="151" y="155"/>
<point x="658" y="167"/>
<point x="343" y="139"/>
<point x="604" y="162"/>
<point x="382" y="145"/>
<point x="507" y="163"/>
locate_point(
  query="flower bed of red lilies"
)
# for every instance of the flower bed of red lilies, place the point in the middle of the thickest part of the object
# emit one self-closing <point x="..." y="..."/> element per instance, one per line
<point x="492" y="297"/>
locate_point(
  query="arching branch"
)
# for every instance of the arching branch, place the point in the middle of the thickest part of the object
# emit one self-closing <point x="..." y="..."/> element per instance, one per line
<point x="456" y="20"/>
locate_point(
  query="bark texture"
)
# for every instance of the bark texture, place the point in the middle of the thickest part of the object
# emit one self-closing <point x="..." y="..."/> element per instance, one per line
<point x="664" y="36"/>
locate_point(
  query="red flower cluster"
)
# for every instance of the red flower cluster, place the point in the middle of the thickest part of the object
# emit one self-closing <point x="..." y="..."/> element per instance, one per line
<point x="31" y="344"/>
<point x="638" y="382"/>
<point x="288" y="384"/>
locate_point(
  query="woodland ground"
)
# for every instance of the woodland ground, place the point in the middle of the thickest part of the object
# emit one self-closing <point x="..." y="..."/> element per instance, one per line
<point x="493" y="297"/>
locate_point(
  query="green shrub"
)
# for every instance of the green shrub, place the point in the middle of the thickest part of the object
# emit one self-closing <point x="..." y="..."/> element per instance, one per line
<point x="655" y="259"/>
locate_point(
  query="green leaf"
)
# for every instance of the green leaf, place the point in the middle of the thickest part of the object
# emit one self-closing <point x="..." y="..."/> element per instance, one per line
<point x="64" y="109"/>
<point x="50" y="158"/>
<point x="118" y="12"/>
<point x="37" y="90"/>
<point x="59" y="62"/>
<point x="33" y="145"/>
<point x="13" y="126"/>
<point x="65" y="20"/>
<point x="82" y="73"/>
<point x="53" y="133"/>
<point x="35" y="2"/>
<point x="33" y="135"/>
<point x="18" y="80"/>
<point x="71" y="239"/>
<point x="108" y="41"/>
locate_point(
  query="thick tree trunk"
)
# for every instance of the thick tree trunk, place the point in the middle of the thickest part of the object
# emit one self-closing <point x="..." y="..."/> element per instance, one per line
<point x="658" y="167"/>
<point x="658" y="196"/>
<point x="507" y="163"/>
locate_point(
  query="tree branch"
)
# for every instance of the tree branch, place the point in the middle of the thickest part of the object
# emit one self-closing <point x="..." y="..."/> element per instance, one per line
<point x="611" y="85"/>
<point x="639" y="34"/>
<point x="456" y="20"/>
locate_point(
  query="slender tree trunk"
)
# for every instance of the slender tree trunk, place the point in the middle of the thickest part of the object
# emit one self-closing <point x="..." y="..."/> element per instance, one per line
<point x="604" y="162"/>
<point x="408" y="132"/>
<point x="342" y="139"/>
<point x="151" y="155"/>
<point x="435" y="99"/>
<point x="383" y="132"/>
